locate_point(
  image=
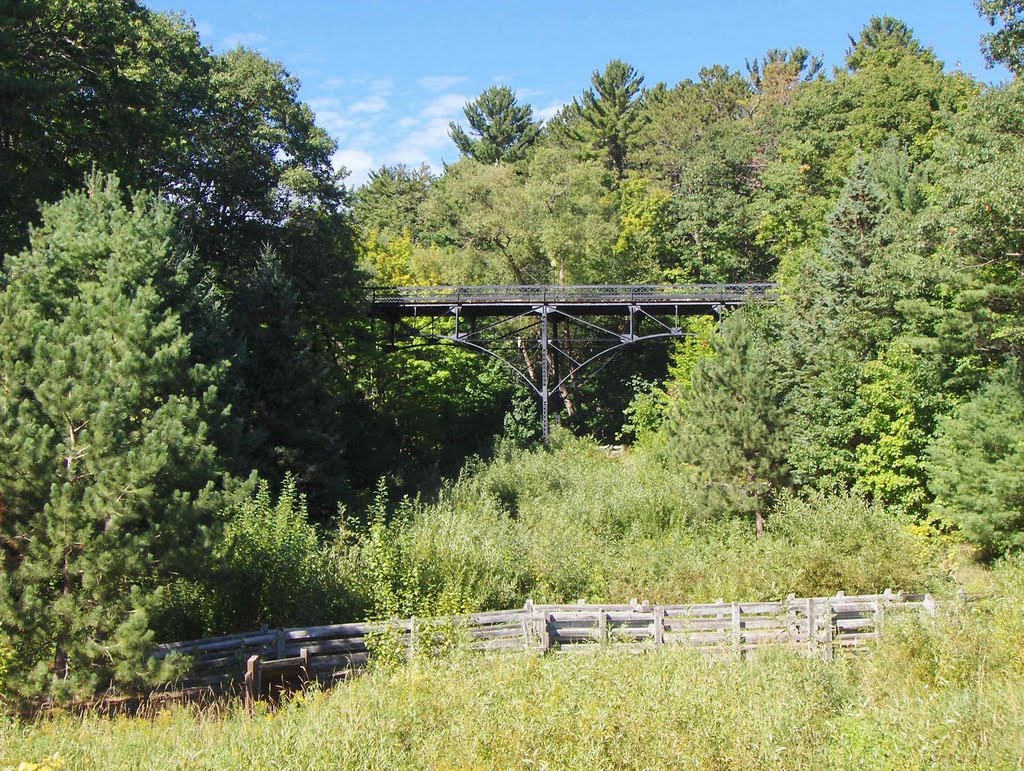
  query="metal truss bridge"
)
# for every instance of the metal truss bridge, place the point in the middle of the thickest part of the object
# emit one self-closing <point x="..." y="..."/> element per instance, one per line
<point x="547" y="334"/>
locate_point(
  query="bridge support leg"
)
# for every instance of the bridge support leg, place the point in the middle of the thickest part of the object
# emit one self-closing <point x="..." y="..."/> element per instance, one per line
<point x="544" y="390"/>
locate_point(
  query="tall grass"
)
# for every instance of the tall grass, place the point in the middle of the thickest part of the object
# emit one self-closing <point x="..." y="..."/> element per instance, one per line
<point x="945" y="692"/>
<point x="572" y="522"/>
<point x="553" y="524"/>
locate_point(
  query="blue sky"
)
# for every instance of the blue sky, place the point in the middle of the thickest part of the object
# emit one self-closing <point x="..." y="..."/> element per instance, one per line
<point x="385" y="78"/>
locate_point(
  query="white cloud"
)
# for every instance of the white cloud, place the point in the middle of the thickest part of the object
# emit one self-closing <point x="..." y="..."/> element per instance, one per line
<point x="205" y="30"/>
<point x="440" y="82"/>
<point x="329" y="115"/>
<point x="376" y="103"/>
<point x="421" y="145"/>
<point x="358" y="162"/>
<point x="406" y="122"/>
<point x="528" y="93"/>
<point x="548" y="112"/>
<point x="445" y="106"/>
<point x="246" y="39"/>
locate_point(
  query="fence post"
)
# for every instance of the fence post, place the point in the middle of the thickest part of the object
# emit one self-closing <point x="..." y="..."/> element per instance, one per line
<point x="929" y="605"/>
<point x="879" y="611"/>
<point x="253" y="681"/>
<point x="828" y="651"/>
<point x="659" y="625"/>
<point x="280" y="643"/>
<point x="602" y="626"/>
<point x="307" y="666"/>
<point x="545" y="631"/>
<point x="812" y="626"/>
<point x="737" y="634"/>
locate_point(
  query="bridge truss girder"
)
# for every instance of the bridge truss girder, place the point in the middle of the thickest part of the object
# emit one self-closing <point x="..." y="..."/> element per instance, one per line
<point x="537" y="343"/>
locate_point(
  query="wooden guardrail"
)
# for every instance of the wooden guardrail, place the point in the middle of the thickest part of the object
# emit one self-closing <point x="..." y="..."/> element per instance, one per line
<point x="819" y="626"/>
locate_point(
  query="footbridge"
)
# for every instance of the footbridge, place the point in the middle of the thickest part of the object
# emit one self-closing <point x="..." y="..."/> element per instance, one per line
<point x="547" y="334"/>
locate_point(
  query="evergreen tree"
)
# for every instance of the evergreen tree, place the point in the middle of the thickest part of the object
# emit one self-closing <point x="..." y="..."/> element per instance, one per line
<point x="833" y="327"/>
<point x="883" y="38"/>
<point x="976" y="465"/>
<point x="607" y="116"/>
<point x="504" y="129"/>
<point x="389" y="203"/>
<point x="105" y="462"/>
<point x="733" y="426"/>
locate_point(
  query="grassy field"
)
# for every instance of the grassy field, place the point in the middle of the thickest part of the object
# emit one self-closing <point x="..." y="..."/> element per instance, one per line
<point x="943" y="692"/>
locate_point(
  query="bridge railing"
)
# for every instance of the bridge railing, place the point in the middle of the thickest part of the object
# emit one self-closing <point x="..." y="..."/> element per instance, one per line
<point x="582" y="294"/>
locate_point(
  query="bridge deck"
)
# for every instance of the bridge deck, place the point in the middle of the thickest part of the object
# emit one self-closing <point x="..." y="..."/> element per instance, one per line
<point x="681" y="299"/>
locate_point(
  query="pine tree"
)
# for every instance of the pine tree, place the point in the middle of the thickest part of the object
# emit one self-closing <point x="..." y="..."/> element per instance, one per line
<point x="733" y="427"/>
<point x="390" y="201"/>
<point x="105" y="462"/>
<point x="976" y="465"/>
<point x="834" y="326"/>
<point x="504" y="129"/>
<point x="608" y="117"/>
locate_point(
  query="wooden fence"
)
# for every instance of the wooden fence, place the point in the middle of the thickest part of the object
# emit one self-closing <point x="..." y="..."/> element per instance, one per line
<point x="819" y="626"/>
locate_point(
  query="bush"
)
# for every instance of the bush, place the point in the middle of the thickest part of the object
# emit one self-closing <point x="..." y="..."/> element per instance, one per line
<point x="269" y="566"/>
<point x="571" y="521"/>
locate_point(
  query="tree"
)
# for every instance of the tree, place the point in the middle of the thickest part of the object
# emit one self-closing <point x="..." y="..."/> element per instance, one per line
<point x="775" y="76"/>
<point x="504" y="129"/>
<point x="607" y="116"/>
<point x="832" y="329"/>
<point x="92" y="83"/>
<point x="106" y="464"/>
<point x="894" y="90"/>
<point x="883" y="38"/>
<point x="1006" y="45"/>
<point x="976" y="465"/>
<point x="225" y="138"/>
<point x="389" y="203"/>
<point x="481" y="211"/>
<point x="732" y="427"/>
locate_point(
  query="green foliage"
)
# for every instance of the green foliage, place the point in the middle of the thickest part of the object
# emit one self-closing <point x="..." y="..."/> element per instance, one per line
<point x="389" y="262"/>
<point x="504" y="130"/>
<point x="833" y="325"/>
<point x="645" y="411"/>
<point x="381" y="566"/>
<point x="269" y="567"/>
<point x="974" y="465"/>
<point x="732" y="428"/>
<point x="607" y="117"/>
<point x="389" y="202"/>
<point x="1005" y="45"/>
<point x="106" y="464"/>
<point x="899" y="397"/>
<point x="652" y="402"/>
<point x="96" y="84"/>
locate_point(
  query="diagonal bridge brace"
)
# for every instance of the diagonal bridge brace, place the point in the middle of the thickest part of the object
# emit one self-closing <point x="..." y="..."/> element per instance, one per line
<point x="519" y="326"/>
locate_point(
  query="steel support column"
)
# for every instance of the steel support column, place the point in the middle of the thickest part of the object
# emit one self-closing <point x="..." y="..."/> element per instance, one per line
<point x="544" y="389"/>
<point x="505" y="320"/>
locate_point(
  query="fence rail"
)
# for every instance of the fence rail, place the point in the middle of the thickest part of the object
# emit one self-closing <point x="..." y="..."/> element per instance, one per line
<point x="819" y="626"/>
<point x="580" y="294"/>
